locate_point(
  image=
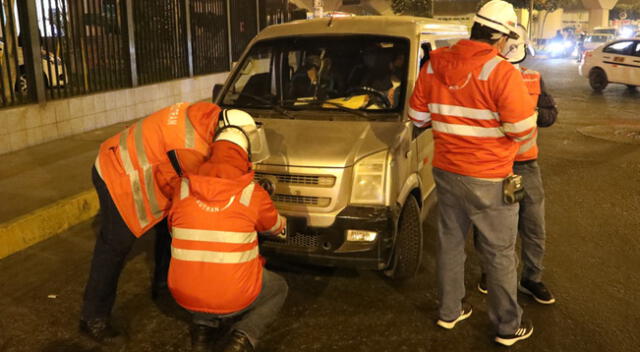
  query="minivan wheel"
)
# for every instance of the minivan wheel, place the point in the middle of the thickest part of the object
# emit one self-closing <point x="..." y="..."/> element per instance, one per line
<point x="598" y="79"/>
<point x="407" y="252"/>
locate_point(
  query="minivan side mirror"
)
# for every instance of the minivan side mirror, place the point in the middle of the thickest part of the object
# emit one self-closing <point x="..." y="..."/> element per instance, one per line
<point x="217" y="88"/>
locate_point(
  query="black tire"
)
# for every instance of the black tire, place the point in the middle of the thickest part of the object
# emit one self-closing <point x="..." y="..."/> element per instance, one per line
<point x="22" y="87"/>
<point x="407" y="252"/>
<point x="598" y="79"/>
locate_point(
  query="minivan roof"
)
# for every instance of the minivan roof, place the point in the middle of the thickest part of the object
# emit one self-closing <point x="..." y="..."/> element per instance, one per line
<point x="399" y="26"/>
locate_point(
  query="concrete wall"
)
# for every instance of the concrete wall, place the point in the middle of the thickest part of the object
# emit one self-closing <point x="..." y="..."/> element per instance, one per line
<point x="29" y="125"/>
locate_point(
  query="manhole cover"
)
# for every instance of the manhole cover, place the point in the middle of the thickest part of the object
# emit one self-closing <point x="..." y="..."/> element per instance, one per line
<point x="628" y="134"/>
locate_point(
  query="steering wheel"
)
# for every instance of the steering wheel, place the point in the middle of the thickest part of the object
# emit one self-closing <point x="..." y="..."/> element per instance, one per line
<point x="380" y="96"/>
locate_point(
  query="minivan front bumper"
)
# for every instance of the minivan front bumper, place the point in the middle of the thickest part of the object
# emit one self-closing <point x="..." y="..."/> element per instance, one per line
<point x="327" y="246"/>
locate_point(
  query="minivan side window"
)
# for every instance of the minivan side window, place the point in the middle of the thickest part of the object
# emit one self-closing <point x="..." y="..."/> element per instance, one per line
<point x="619" y="48"/>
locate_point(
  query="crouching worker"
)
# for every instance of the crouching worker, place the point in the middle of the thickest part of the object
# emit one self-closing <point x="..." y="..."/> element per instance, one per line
<point x="216" y="271"/>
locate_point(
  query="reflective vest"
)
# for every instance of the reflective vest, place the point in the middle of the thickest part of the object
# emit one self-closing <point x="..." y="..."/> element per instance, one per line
<point x="528" y="150"/>
<point x="215" y="266"/>
<point x="477" y="125"/>
<point x="136" y="168"/>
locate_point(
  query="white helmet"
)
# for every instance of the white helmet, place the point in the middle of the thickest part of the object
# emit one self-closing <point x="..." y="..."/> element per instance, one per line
<point x="238" y="127"/>
<point x="515" y="50"/>
<point x="500" y="16"/>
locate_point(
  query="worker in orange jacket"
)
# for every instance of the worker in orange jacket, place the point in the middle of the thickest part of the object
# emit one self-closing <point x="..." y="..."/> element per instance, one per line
<point x="216" y="271"/>
<point x="135" y="175"/>
<point x="531" y="223"/>
<point x="480" y="112"/>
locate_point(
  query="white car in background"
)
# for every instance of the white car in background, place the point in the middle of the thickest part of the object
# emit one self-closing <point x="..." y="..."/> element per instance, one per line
<point x="615" y="62"/>
<point x="593" y="41"/>
<point x="54" y="71"/>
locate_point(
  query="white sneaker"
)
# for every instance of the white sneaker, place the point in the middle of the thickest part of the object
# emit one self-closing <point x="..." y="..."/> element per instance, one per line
<point x="524" y="331"/>
<point x="464" y="314"/>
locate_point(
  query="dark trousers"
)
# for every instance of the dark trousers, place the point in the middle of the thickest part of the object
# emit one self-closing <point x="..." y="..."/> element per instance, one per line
<point x="113" y="244"/>
<point x="254" y="319"/>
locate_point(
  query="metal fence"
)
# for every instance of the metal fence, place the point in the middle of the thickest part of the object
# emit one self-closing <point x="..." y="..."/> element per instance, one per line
<point x="274" y="12"/>
<point x="12" y="70"/>
<point x="209" y="36"/>
<point x="83" y="45"/>
<point x="161" y="38"/>
<point x="244" y="25"/>
<point x="51" y="49"/>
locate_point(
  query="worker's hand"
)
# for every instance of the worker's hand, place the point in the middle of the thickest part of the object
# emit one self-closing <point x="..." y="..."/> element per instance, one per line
<point x="282" y="236"/>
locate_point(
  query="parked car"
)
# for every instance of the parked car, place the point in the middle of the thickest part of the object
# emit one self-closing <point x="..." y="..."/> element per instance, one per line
<point x="52" y="67"/>
<point x="615" y="62"/>
<point x="350" y="172"/>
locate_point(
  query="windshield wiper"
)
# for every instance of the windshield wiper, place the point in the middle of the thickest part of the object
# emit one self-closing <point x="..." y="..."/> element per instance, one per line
<point x="269" y="104"/>
<point x="320" y="102"/>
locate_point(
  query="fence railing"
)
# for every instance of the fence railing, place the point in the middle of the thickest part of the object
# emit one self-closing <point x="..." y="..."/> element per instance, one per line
<point x="88" y="46"/>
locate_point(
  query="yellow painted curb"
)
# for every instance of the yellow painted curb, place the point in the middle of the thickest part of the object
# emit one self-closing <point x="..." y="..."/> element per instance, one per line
<point x="29" y="229"/>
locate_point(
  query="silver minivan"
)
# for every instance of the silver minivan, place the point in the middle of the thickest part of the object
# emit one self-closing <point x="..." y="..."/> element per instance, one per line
<point x="350" y="172"/>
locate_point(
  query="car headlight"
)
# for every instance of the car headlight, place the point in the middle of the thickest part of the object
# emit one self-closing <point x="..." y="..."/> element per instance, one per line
<point x="368" y="179"/>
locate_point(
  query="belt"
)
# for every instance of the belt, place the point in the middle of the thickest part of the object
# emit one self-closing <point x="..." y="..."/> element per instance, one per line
<point x="525" y="162"/>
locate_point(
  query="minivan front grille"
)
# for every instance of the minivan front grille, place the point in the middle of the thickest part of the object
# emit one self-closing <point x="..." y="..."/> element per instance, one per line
<point x="301" y="200"/>
<point x="312" y="180"/>
<point x="302" y="240"/>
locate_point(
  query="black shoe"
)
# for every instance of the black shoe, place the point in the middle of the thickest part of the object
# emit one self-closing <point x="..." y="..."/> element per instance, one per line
<point x="537" y="290"/>
<point x="239" y="342"/>
<point x="101" y="331"/>
<point x="464" y="314"/>
<point x="201" y="338"/>
<point x="524" y="331"/>
<point x="482" y="284"/>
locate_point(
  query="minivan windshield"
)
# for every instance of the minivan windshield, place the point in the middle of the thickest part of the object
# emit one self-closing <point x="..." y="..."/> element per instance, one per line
<point x="361" y="76"/>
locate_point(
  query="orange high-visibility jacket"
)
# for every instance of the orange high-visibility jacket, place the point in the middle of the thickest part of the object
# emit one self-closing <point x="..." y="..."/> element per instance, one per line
<point x="135" y="164"/>
<point x="478" y="106"/>
<point x="215" y="266"/>
<point x="528" y="150"/>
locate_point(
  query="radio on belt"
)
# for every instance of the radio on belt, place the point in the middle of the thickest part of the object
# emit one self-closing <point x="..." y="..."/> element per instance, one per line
<point x="513" y="189"/>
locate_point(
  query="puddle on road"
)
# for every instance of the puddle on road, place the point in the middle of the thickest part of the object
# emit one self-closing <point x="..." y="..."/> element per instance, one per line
<point x="627" y="134"/>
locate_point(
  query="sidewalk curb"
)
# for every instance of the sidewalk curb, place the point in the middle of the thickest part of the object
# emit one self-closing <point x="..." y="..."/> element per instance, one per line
<point x="48" y="221"/>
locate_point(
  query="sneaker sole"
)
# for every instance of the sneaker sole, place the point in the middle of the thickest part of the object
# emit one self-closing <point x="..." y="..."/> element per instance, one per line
<point x="482" y="290"/>
<point x="541" y="301"/>
<point x="448" y="325"/>
<point x="510" y="342"/>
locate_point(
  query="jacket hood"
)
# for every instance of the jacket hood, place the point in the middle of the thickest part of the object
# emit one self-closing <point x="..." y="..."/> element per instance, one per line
<point x="204" y="117"/>
<point x="452" y="65"/>
<point x="225" y="174"/>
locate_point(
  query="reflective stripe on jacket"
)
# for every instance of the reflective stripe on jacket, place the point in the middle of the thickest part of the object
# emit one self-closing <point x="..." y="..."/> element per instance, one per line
<point x="215" y="265"/>
<point x="528" y="150"/>
<point x="135" y="166"/>
<point x="479" y="113"/>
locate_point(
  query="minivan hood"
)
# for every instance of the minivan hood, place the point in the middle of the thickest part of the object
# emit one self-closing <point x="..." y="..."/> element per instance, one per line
<point x="323" y="143"/>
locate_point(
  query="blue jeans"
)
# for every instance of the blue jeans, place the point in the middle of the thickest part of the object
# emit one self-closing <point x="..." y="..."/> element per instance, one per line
<point x="531" y="224"/>
<point x="256" y="317"/>
<point x="463" y="202"/>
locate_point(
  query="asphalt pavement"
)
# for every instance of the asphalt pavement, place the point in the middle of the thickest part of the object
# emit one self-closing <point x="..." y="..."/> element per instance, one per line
<point x="593" y="216"/>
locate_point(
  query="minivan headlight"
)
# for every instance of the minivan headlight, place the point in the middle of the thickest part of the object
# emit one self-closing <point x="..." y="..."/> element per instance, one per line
<point x="368" y="179"/>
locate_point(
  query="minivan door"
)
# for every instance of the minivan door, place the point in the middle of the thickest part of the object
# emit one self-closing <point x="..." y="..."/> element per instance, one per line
<point x="424" y="137"/>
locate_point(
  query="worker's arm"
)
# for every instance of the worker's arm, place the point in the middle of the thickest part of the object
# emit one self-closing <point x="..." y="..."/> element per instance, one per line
<point x="418" y="104"/>
<point x="269" y="220"/>
<point x="515" y="107"/>
<point x="547" y="108"/>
